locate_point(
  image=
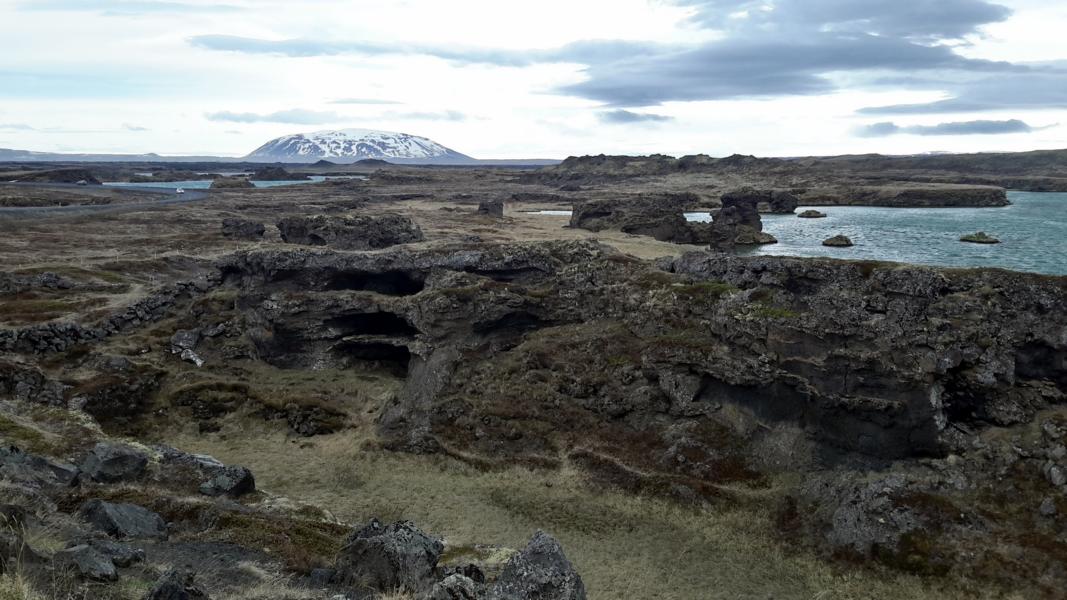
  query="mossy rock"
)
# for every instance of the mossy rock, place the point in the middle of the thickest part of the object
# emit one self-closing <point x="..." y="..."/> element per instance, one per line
<point x="979" y="238"/>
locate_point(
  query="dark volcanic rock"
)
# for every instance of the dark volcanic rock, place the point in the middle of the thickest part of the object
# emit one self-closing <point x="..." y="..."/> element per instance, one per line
<point x="111" y="463"/>
<point x="540" y="572"/>
<point x="240" y="229"/>
<point x="979" y="238"/>
<point x="229" y="481"/>
<point x="21" y="467"/>
<point x="765" y="201"/>
<point x="456" y="587"/>
<point x="639" y="217"/>
<point x="361" y="232"/>
<point x="491" y="208"/>
<point x="738" y="223"/>
<point x="124" y="520"/>
<point x="175" y="585"/>
<point x="389" y="557"/>
<point x="812" y="214"/>
<point x="61" y="176"/>
<point x="87" y="562"/>
<point x="120" y="554"/>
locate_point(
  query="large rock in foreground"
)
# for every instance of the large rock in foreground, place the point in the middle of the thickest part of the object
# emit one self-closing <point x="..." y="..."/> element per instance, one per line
<point x="111" y="463"/>
<point x="540" y="572"/>
<point x="389" y="558"/>
<point x="125" y="521"/>
<point x="361" y="232"/>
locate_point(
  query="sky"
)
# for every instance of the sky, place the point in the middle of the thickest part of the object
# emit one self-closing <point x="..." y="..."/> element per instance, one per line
<point x="508" y="79"/>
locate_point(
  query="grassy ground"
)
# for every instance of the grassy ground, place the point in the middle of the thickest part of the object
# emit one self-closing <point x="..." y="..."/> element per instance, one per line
<point x="624" y="546"/>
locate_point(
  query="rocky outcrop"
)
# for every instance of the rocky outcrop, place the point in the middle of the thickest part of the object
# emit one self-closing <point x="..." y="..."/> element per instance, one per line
<point x="640" y="217"/>
<point x="812" y="214"/>
<point x="229" y="481"/>
<point x="61" y="176"/>
<point x="765" y="201"/>
<point x="176" y="585"/>
<point x="389" y="557"/>
<point x="277" y="174"/>
<point x="360" y="232"/>
<point x="240" y="229"/>
<point x="738" y="223"/>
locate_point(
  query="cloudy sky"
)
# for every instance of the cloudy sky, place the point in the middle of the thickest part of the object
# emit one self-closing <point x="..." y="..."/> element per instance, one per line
<point x="547" y="79"/>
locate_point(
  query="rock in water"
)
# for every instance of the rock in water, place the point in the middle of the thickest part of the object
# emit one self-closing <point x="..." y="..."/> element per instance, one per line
<point x="389" y="558"/>
<point x="361" y="232"/>
<point x="838" y="241"/>
<point x="540" y="572"/>
<point x="492" y="208"/>
<point x="812" y="214"/>
<point x="240" y="229"/>
<point x="176" y="586"/>
<point x="979" y="238"/>
<point x="124" y="520"/>
<point x="111" y="463"/>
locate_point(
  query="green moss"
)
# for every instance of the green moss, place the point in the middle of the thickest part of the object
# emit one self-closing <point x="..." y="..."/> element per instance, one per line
<point x="764" y="311"/>
<point x="303" y="545"/>
<point x="27" y="438"/>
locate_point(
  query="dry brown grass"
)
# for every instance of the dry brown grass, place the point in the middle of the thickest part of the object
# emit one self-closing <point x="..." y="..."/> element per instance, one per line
<point x="624" y="546"/>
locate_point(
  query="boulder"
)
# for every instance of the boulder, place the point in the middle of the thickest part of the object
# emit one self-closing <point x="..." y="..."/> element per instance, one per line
<point x="175" y="585"/>
<point x="240" y="229"/>
<point x="362" y="232"/>
<point x="979" y="238"/>
<point x="540" y="571"/>
<point x="111" y="463"/>
<point x="87" y="562"/>
<point x="229" y="481"/>
<point x="491" y="208"/>
<point x="121" y="554"/>
<point x="389" y="558"/>
<point x="127" y="521"/>
<point x="738" y="223"/>
<point x="456" y="587"/>
<point x="812" y="214"/>
<point x="838" y="241"/>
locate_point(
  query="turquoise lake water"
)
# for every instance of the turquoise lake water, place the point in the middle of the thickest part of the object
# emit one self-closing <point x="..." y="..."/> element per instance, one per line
<point x="1032" y="231"/>
<point x="206" y="183"/>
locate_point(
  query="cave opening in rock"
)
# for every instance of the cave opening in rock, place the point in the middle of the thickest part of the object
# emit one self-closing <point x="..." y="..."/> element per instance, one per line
<point x="1036" y="360"/>
<point x="375" y="323"/>
<point x="389" y="283"/>
<point x="375" y="356"/>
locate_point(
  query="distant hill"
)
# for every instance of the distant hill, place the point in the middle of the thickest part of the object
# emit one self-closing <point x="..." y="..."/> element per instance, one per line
<point x="353" y="145"/>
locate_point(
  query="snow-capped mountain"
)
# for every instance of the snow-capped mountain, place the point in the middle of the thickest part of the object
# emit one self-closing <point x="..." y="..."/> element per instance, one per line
<point x="351" y="145"/>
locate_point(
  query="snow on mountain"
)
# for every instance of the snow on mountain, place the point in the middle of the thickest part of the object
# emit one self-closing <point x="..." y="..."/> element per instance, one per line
<point x="350" y="145"/>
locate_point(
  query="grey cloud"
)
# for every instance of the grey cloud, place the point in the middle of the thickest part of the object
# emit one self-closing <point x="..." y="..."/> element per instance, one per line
<point x="910" y="19"/>
<point x="625" y="116"/>
<point x="16" y="127"/>
<point x="954" y="128"/>
<point x="131" y="127"/>
<point x="296" y="116"/>
<point x="1045" y="89"/>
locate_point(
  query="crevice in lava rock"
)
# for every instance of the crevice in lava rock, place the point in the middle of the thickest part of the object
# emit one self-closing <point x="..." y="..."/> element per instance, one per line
<point x="375" y="356"/>
<point x="1036" y="360"/>
<point x="389" y="283"/>
<point x="513" y="323"/>
<point x="376" y="323"/>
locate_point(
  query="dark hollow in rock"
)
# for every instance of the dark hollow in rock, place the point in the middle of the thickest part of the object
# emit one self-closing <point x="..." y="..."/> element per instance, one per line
<point x="377" y="323"/>
<point x="541" y="570"/>
<point x="388" y="283"/>
<point x="389" y="558"/>
<point x="389" y="357"/>
<point x="240" y="229"/>
<point x="111" y="463"/>
<point x="361" y="232"/>
<point x="124" y="521"/>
